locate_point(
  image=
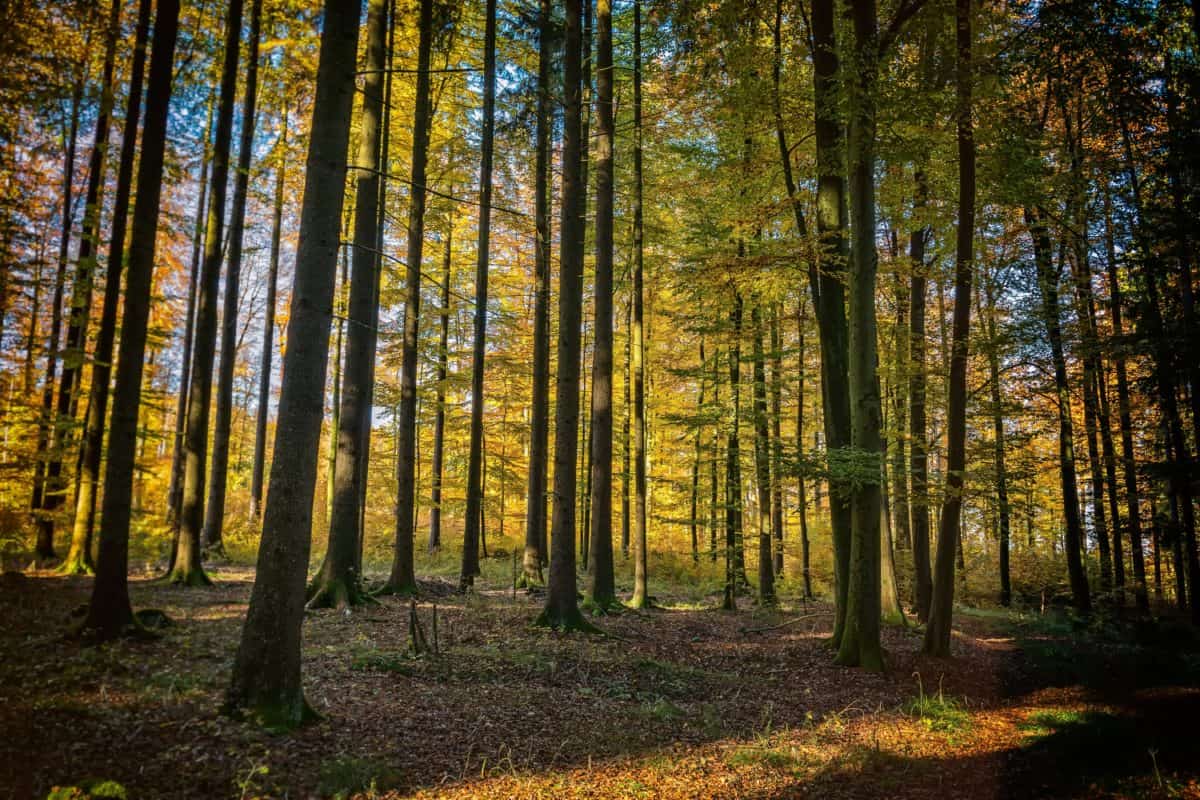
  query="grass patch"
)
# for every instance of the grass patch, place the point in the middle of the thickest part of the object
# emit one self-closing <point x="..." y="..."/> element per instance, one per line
<point x="383" y="661"/>
<point x="937" y="712"/>
<point x="661" y="710"/>
<point x="344" y="776"/>
<point x="771" y="758"/>
<point x="1044" y="723"/>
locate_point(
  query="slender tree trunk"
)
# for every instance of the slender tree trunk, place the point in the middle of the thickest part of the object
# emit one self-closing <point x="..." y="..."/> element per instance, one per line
<point x="733" y="468"/>
<point x="641" y="597"/>
<point x="266" y="680"/>
<point x="43" y="485"/>
<point x="919" y="449"/>
<point x="187" y="569"/>
<point x="91" y="449"/>
<point x="899" y="416"/>
<point x="777" y="530"/>
<point x="762" y="463"/>
<point x="1125" y="418"/>
<point x="268" y="344"/>
<point x="713" y="462"/>
<point x="1004" y="512"/>
<point x="175" y="491"/>
<point x="223" y="418"/>
<point x="937" y="633"/>
<point x="801" y="460"/>
<point x="859" y="645"/>
<point x="603" y="590"/>
<point x="82" y="288"/>
<point x="470" y="558"/>
<point x="439" y="423"/>
<point x="627" y="431"/>
<point x="562" y="608"/>
<point x="403" y="578"/>
<point x="535" y="514"/>
<point x="338" y="583"/>
<point x="694" y="521"/>
<point x="109" y="611"/>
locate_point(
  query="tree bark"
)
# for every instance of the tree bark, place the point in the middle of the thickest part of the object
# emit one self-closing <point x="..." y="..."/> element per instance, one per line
<point x="91" y="448"/>
<point x="187" y="569"/>
<point x="338" y="583"/>
<point x="603" y="590"/>
<point x="641" y="597"/>
<point x="762" y="463"/>
<point x="1004" y="512"/>
<point x="266" y="681"/>
<point x="472" y="525"/>
<point x="439" y="422"/>
<point x="776" y="391"/>
<point x="919" y="449"/>
<point x="109" y="611"/>
<point x="733" y="468"/>
<point x="403" y="579"/>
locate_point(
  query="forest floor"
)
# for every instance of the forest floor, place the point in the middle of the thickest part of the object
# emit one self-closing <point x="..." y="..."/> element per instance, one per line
<point x="682" y="701"/>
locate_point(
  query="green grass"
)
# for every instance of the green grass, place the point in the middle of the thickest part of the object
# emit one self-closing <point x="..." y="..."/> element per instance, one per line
<point x="344" y="776"/>
<point x="773" y="758"/>
<point x="1044" y="723"/>
<point x="937" y="712"/>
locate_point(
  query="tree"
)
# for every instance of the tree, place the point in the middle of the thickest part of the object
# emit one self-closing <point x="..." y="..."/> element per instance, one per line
<point x="918" y="459"/>
<point x="402" y="579"/>
<point x="640" y="597"/>
<point x="762" y="462"/>
<point x="266" y="672"/>
<point x="338" y="584"/>
<point x="186" y="569"/>
<point x="223" y="419"/>
<point x="439" y="423"/>
<point x="602" y="592"/>
<point x="937" y="632"/>
<point x="562" y="608"/>
<point x="472" y="525"/>
<point x="91" y="449"/>
<point x="109" y="611"/>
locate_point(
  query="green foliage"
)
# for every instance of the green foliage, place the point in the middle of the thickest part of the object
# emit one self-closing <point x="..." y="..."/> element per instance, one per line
<point x="937" y="712"/>
<point x="92" y="789"/>
<point x="766" y="757"/>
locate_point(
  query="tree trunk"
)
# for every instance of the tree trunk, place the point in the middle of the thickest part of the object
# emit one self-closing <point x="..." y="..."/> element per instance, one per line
<point x="42" y="483"/>
<point x="175" y="490"/>
<point x="1004" y="511"/>
<point x="471" y="534"/>
<point x="713" y="462"/>
<point x="91" y="449"/>
<point x="109" y="611"/>
<point x="777" y="529"/>
<point x="733" y="468"/>
<point x="562" y="608"/>
<point x="762" y="463"/>
<point x="187" y="569"/>
<point x="1125" y="417"/>
<point x="268" y="344"/>
<point x="266" y="680"/>
<point x="439" y="422"/>
<point x="603" y="590"/>
<point x="859" y="645"/>
<point x="338" y="583"/>
<point x="899" y="416"/>
<point x="937" y="633"/>
<point x="82" y="288"/>
<point x="829" y="290"/>
<point x="919" y="451"/>
<point x="403" y="579"/>
<point x="801" y="460"/>
<point x="535" y="513"/>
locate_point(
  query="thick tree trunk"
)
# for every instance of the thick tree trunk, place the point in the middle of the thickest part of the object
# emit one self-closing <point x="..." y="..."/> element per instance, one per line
<point x="638" y="346"/>
<point x="829" y="290"/>
<point x="266" y="680"/>
<point x="859" y="645"/>
<point x="602" y="592"/>
<point x="937" y="633"/>
<point x="403" y="579"/>
<point x="472" y="526"/>
<point x="91" y="448"/>
<point x="338" y="583"/>
<point x="562" y="608"/>
<point x="762" y="463"/>
<point x="214" y="519"/>
<point x="268" y="342"/>
<point x="109" y="611"/>
<point x="187" y="569"/>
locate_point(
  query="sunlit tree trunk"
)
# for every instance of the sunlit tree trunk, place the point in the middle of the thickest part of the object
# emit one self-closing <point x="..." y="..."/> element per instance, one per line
<point x="762" y="462"/>
<point x="187" y="569"/>
<point x="733" y="468"/>
<point x="223" y="418"/>
<point x="439" y="422"/>
<point x="266" y="681"/>
<point x="638" y="347"/>
<point x="471" y="535"/>
<point x="776" y="391"/>
<point x="109" y="611"/>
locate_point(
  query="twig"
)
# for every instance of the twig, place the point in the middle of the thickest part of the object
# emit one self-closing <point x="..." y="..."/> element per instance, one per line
<point x="789" y="623"/>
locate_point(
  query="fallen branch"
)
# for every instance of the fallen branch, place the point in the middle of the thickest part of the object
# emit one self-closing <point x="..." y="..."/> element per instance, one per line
<point x="789" y="623"/>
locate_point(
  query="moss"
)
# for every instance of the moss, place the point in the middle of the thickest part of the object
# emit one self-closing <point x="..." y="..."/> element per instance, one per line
<point x="189" y="577"/>
<point x="91" y="789"/>
<point x="338" y="594"/>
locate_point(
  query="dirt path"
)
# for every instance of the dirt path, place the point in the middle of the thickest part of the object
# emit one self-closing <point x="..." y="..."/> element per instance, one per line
<point x="677" y="703"/>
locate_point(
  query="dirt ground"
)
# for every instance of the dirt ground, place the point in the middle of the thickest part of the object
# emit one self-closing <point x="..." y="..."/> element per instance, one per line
<point x="676" y="702"/>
